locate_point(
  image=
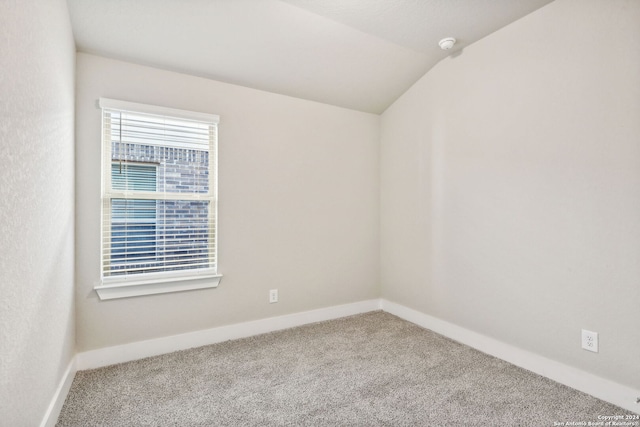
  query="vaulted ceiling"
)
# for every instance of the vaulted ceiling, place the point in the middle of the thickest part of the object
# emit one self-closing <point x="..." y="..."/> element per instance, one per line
<point x="358" y="54"/>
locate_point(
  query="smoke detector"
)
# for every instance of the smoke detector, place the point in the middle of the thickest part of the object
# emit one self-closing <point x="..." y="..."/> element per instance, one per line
<point x="447" y="43"/>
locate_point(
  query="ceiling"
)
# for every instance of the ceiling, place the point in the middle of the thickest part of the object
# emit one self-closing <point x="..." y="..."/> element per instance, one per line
<point x="358" y="54"/>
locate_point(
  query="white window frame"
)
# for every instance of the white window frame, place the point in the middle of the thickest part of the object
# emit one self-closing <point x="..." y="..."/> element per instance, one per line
<point x="112" y="287"/>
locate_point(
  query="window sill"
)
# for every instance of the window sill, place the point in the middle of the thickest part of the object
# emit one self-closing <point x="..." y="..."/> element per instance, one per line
<point x="133" y="288"/>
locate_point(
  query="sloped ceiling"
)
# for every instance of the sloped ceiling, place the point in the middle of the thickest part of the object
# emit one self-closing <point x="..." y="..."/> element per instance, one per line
<point x="358" y="54"/>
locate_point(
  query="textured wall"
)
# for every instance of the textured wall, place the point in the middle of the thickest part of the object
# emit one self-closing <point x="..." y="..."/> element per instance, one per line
<point x="510" y="187"/>
<point x="36" y="206"/>
<point x="298" y="209"/>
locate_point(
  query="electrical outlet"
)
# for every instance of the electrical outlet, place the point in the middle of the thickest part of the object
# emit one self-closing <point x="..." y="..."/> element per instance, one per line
<point x="590" y="340"/>
<point x="273" y="296"/>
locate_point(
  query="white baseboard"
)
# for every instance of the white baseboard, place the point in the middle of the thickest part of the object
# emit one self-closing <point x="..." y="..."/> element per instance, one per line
<point x="53" y="411"/>
<point x="604" y="389"/>
<point x="141" y="349"/>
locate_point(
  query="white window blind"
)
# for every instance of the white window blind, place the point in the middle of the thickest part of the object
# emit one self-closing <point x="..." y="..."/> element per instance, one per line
<point x="159" y="201"/>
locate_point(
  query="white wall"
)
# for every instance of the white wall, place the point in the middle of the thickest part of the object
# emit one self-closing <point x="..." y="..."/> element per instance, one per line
<point x="511" y="187"/>
<point x="298" y="205"/>
<point x="37" y="54"/>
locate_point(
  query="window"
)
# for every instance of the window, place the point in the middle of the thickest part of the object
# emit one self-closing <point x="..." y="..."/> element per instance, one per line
<point x="159" y="200"/>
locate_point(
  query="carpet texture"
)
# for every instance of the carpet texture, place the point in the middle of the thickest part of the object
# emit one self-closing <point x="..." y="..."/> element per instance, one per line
<point x="372" y="369"/>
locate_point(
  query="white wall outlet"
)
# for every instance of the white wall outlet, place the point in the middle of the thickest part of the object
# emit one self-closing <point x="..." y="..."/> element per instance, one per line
<point x="273" y="296"/>
<point x="590" y="340"/>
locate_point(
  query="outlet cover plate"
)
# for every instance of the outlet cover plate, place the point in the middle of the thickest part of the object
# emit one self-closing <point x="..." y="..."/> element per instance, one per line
<point x="590" y="340"/>
<point x="273" y="296"/>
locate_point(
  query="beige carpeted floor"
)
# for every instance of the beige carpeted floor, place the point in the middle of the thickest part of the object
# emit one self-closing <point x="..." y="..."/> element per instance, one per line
<point x="372" y="369"/>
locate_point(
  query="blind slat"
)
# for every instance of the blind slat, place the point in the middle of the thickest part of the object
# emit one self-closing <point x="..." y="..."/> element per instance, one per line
<point x="167" y="266"/>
